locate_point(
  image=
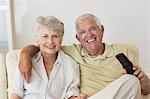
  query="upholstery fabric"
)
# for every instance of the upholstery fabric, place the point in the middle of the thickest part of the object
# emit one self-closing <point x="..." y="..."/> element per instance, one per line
<point x="12" y="60"/>
<point x="3" y="79"/>
<point x="8" y="65"/>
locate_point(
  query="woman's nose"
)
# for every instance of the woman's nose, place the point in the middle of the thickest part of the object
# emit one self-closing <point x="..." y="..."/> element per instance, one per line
<point x="50" y="39"/>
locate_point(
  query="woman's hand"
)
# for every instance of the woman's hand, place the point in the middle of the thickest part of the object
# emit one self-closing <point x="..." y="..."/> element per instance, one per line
<point x="81" y="96"/>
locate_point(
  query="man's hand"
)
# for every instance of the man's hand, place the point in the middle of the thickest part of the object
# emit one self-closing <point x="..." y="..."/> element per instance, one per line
<point x="144" y="80"/>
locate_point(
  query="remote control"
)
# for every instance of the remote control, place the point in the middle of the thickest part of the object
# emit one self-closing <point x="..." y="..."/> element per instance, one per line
<point x="126" y="63"/>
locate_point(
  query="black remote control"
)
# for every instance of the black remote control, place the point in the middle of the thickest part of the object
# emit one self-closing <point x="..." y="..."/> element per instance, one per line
<point x="126" y="63"/>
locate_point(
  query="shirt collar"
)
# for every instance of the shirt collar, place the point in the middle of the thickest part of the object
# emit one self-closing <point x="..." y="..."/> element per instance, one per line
<point x="38" y="57"/>
<point x="108" y="52"/>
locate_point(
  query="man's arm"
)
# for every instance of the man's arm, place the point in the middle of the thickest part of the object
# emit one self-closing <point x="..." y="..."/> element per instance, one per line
<point x="25" y="63"/>
<point x="144" y="80"/>
<point x="139" y="73"/>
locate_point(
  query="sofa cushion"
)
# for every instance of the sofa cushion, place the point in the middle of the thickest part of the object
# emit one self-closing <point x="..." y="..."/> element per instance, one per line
<point x="12" y="60"/>
<point x="3" y="81"/>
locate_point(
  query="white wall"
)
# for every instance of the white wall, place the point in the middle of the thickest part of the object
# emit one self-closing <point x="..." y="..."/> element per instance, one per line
<point x="125" y="21"/>
<point x="149" y="33"/>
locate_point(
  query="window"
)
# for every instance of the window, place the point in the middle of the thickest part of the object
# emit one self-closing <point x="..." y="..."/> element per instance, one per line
<point x="3" y="26"/>
<point x="6" y="19"/>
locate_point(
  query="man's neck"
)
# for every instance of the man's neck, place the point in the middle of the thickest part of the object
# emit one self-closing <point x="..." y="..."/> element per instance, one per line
<point x="100" y="51"/>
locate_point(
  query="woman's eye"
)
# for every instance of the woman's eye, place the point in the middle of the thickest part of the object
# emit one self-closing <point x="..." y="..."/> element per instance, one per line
<point x="56" y="36"/>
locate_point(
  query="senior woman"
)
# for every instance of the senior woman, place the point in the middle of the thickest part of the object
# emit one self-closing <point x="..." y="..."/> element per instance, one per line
<point x="54" y="75"/>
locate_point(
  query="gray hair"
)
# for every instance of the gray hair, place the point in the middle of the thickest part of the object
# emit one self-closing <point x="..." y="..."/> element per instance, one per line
<point x="50" y="22"/>
<point x="86" y="16"/>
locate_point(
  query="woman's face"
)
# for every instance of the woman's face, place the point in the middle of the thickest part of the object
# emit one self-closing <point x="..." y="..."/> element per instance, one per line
<point x="49" y="41"/>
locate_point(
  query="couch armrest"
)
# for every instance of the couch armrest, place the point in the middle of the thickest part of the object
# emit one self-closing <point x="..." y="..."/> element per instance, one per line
<point x="3" y="80"/>
<point x="12" y="60"/>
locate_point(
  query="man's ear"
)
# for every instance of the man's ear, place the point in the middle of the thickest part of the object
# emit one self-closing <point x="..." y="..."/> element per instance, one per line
<point x="102" y="28"/>
<point x="77" y="37"/>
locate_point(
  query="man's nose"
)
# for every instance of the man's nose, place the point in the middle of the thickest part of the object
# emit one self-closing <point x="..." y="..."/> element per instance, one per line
<point x="89" y="32"/>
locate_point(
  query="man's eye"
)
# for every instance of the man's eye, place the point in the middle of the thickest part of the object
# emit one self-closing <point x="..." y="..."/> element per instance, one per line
<point x="92" y="28"/>
<point x="44" y="36"/>
<point x="81" y="32"/>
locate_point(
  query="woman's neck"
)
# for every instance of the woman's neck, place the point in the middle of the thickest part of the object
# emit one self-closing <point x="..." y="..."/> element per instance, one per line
<point x="49" y="60"/>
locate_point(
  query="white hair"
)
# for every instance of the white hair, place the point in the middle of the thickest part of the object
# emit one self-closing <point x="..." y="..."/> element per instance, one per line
<point x="50" y="22"/>
<point x="86" y="16"/>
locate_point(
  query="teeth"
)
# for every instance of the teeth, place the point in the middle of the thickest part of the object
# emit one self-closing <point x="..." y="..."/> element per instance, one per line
<point x="50" y="46"/>
<point x="91" y="40"/>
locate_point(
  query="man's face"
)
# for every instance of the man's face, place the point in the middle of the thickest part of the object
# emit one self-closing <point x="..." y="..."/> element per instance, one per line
<point x="49" y="41"/>
<point x="90" y="35"/>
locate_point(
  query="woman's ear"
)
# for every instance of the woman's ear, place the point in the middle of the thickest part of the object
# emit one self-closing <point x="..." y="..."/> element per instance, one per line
<point x="37" y="42"/>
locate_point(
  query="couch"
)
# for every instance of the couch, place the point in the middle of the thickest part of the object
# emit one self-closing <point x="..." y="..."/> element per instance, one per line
<point x="9" y="62"/>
